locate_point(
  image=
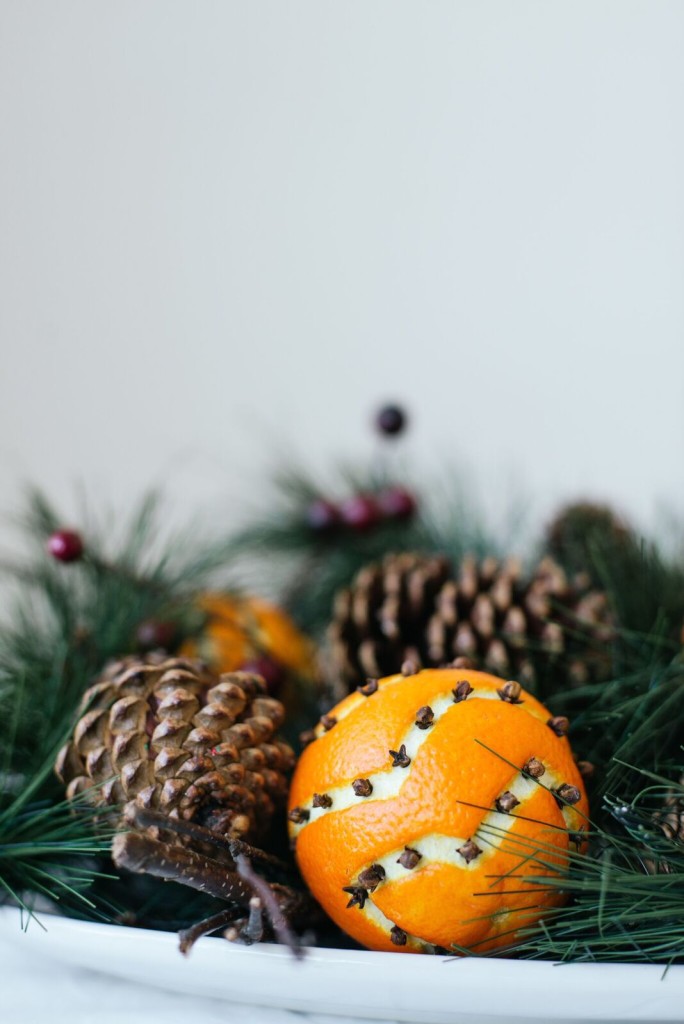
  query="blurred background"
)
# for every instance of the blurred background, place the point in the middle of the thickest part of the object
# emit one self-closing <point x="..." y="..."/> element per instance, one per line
<point x="229" y="231"/>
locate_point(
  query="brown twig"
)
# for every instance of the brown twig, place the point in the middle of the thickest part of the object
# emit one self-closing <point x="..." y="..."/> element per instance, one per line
<point x="189" y="936"/>
<point x="265" y="892"/>
<point x="143" y="817"/>
<point x="142" y="855"/>
<point x="254" y="929"/>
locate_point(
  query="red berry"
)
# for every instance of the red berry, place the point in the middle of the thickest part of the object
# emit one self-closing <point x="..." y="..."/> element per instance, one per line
<point x="391" y="420"/>
<point x="271" y="672"/>
<point x="397" y="503"/>
<point x="65" y="545"/>
<point x="153" y="635"/>
<point x="360" y="512"/>
<point x="322" y="516"/>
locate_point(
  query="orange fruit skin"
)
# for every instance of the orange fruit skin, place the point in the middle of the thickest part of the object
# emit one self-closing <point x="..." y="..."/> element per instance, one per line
<point x="239" y="628"/>
<point x="472" y="754"/>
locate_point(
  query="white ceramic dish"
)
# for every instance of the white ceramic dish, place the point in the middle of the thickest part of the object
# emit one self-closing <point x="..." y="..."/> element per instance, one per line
<point x="429" y="990"/>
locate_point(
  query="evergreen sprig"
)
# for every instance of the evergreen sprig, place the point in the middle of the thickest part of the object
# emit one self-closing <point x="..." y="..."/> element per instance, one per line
<point x="625" y="897"/>
<point x="626" y="894"/>
<point x="310" y="566"/>
<point x="63" y="624"/>
<point x="66" y="621"/>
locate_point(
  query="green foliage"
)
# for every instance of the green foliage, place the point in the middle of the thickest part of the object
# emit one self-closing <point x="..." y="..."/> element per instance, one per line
<point x="625" y="898"/>
<point x="64" y="623"/>
<point x="646" y="590"/>
<point x="311" y="567"/>
<point x="627" y="894"/>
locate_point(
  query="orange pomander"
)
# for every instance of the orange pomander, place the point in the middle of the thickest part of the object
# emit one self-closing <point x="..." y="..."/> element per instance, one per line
<point x="426" y="803"/>
<point x="240" y="629"/>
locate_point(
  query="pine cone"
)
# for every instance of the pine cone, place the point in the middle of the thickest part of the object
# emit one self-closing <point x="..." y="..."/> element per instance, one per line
<point x="174" y="737"/>
<point x="413" y="607"/>
<point x="582" y="531"/>
<point x="670" y="818"/>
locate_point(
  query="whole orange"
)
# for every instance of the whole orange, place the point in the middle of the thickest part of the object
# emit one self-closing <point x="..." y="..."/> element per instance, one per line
<point x="426" y="804"/>
<point x="239" y="629"/>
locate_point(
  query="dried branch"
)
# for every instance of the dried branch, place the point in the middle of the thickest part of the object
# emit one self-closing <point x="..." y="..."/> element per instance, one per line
<point x="265" y="892"/>
<point x="142" y="855"/>
<point x="140" y="818"/>
<point x="189" y="936"/>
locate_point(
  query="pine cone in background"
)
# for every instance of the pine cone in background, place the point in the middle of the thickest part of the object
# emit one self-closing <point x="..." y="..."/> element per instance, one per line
<point x="646" y="590"/>
<point x="414" y="607"/>
<point x="583" y="532"/>
<point x="174" y="737"/>
<point x="670" y="817"/>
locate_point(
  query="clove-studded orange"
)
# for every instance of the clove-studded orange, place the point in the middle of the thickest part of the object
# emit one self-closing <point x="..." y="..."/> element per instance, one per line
<point x="430" y="808"/>
<point x="240" y="629"/>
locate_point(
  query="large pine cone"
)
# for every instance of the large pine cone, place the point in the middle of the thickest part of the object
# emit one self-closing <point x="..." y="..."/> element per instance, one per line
<point x="414" y="607"/>
<point x="171" y="735"/>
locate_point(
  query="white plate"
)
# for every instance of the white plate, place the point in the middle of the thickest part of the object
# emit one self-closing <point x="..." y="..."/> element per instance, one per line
<point x="405" y="987"/>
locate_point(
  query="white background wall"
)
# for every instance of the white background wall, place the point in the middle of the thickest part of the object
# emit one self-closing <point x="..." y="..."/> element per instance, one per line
<point x="229" y="228"/>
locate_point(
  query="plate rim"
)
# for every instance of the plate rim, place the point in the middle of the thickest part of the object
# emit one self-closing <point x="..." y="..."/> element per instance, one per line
<point x="387" y="986"/>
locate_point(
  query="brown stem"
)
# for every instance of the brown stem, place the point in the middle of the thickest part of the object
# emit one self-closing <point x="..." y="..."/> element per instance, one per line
<point x="189" y="936"/>
<point x="268" y="860"/>
<point x="254" y="929"/>
<point x="281" y="928"/>
<point x="142" y="855"/>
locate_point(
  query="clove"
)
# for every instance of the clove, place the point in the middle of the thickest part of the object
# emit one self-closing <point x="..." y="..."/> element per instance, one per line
<point x="534" y="768"/>
<point x="469" y="851"/>
<point x="506" y="802"/>
<point x="371" y="877"/>
<point x="559" y="724"/>
<point x="298" y="815"/>
<point x="409" y="858"/>
<point x="400" y="758"/>
<point x="510" y="692"/>
<point x="362" y="787"/>
<point x="425" y="717"/>
<point x="461" y="691"/>
<point x="358" y="894"/>
<point x="567" y="794"/>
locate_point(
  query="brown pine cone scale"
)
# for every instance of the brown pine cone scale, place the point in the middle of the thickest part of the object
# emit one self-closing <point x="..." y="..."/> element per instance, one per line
<point x="174" y="737"/>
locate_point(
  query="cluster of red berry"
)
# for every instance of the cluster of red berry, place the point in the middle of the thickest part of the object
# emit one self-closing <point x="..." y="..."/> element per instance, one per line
<point x="363" y="512"/>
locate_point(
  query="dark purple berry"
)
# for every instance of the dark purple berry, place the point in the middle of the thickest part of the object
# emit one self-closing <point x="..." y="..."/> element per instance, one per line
<point x="396" y="503"/>
<point x="391" y="420"/>
<point x="156" y="635"/>
<point x="360" y="512"/>
<point x="322" y="516"/>
<point x="271" y="672"/>
<point x="65" y="546"/>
